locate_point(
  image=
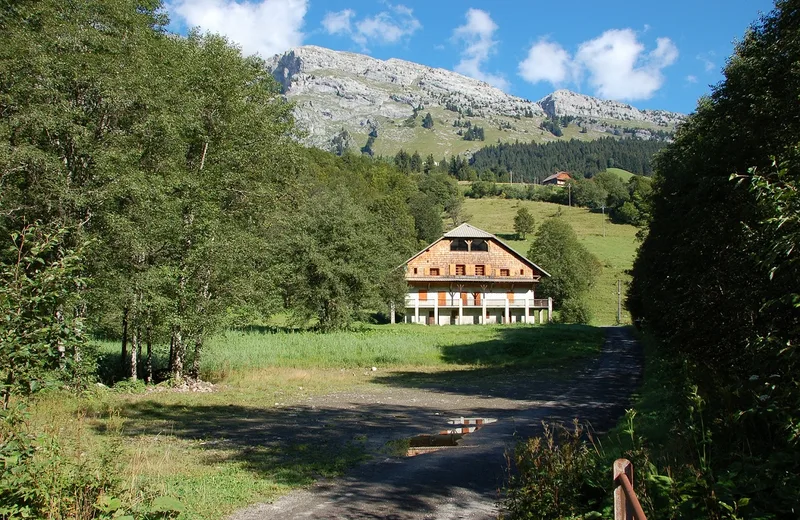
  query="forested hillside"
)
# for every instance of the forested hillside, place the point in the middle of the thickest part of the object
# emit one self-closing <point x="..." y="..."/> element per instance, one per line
<point x="153" y="192"/>
<point x="532" y="162"/>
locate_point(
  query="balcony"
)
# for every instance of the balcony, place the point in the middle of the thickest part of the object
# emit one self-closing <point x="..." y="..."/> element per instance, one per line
<point x="491" y="303"/>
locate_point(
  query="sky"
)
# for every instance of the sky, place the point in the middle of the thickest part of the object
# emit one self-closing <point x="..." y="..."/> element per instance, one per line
<point x="651" y="54"/>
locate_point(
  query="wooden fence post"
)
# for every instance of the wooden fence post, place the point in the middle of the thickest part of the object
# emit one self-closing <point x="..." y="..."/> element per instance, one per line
<point x="626" y="504"/>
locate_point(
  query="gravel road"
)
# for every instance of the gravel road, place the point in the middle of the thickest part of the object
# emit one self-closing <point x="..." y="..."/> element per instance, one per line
<point x="460" y="482"/>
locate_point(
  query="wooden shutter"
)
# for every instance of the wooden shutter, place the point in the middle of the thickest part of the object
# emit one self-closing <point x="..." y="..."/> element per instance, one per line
<point x="452" y="269"/>
<point x="470" y="270"/>
<point x="442" y="299"/>
<point x="423" y="295"/>
<point x="510" y="297"/>
<point x="487" y="270"/>
<point x="464" y="298"/>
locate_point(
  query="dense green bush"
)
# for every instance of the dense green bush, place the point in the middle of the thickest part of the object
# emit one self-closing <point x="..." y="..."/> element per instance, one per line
<point x="574" y="310"/>
<point x="717" y="277"/>
<point x="555" y="476"/>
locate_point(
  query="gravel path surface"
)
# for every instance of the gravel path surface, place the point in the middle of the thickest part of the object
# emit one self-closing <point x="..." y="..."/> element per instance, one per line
<point x="454" y="483"/>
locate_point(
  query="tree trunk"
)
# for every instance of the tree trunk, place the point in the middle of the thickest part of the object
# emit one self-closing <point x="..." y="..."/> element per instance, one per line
<point x="7" y="389"/>
<point x="171" y="362"/>
<point x="139" y="347"/>
<point x="180" y="354"/>
<point x="62" y="349"/>
<point x="198" y="347"/>
<point x="149" y="365"/>
<point x="124" y="336"/>
<point x="135" y="349"/>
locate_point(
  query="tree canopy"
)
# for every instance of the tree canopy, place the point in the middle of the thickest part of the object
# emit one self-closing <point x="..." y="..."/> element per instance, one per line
<point x="532" y="162"/>
<point x="572" y="268"/>
<point x="171" y="165"/>
<point x="717" y="276"/>
<point x="523" y="223"/>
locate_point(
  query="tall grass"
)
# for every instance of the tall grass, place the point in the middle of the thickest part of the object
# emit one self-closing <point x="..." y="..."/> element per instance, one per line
<point x="397" y="346"/>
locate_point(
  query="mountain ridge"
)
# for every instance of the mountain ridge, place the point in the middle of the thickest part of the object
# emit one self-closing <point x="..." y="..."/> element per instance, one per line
<point x="344" y="98"/>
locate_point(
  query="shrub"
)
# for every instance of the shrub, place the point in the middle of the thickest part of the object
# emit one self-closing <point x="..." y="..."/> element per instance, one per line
<point x="556" y="476"/>
<point x="574" y="310"/>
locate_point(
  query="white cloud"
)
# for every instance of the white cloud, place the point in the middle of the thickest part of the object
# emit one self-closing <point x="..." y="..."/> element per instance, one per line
<point x="338" y="23"/>
<point x="615" y="64"/>
<point x="691" y="79"/>
<point x="478" y="35"/>
<point x="547" y="61"/>
<point x="619" y="69"/>
<point x="386" y="27"/>
<point x="707" y="60"/>
<point x="264" y="27"/>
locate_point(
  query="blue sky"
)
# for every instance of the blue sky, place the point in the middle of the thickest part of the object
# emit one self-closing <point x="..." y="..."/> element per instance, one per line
<point x="651" y="54"/>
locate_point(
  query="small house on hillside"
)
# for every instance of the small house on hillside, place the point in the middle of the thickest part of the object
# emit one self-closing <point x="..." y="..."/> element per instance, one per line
<point x="558" y="179"/>
<point x="469" y="276"/>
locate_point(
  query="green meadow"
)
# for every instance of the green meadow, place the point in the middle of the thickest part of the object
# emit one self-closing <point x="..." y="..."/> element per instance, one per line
<point x="614" y="244"/>
<point x="219" y="451"/>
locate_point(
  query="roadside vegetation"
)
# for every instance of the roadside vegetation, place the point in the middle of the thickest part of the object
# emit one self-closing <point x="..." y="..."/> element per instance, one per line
<point x="715" y="431"/>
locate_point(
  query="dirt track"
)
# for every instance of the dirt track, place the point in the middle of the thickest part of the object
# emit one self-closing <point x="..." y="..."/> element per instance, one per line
<point x="454" y="483"/>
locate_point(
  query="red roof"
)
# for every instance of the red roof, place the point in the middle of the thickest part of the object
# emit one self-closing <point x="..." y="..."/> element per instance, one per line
<point x="560" y="176"/>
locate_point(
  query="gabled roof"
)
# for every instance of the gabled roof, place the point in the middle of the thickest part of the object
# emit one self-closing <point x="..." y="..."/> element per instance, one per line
<point x="467" y="231"/>
<point x="559" y="175"/>
<point x="470" y="231"/>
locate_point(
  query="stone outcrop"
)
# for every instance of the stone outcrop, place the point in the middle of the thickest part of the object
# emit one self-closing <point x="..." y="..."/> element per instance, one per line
<point x="335" y="91"/>
<point x="567" y="103"/>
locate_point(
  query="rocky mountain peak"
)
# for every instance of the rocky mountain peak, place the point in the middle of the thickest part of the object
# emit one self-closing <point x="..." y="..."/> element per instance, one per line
<point x="336" y="91"/>
<point x="567" y="103"/>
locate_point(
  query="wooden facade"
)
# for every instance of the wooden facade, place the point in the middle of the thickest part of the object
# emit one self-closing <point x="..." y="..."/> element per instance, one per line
<point x="470" y="276"/>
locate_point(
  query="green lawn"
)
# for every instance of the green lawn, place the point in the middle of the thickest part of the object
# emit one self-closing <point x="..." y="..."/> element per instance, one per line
<point x="614" y="244"/>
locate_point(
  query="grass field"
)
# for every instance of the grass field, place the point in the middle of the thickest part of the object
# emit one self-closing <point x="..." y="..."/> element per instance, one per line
<point x="209" y="450"/>
<point x="625" y="175"/>
<point x="614" y="244"/>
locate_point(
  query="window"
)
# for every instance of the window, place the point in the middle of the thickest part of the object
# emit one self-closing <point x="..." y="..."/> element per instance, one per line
<point x="415" y="270"/>
<point x="504" y="272"/>
<point x="459" y="244"/>
<point x="461" y="270"/>
<point x="434" y="271"/>
<point x="522" y="272"/>
<point x="480" y="270"/>
<point x="480" y="245"/>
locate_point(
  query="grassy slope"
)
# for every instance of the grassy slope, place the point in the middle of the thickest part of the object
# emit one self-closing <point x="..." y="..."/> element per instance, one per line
<point x="615" y="250"/>
<point x="625" y="175"/>
<point x="444" y="140"/>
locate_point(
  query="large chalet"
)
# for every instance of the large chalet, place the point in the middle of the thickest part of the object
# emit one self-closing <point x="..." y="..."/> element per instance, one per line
<point x="470" y="276"/>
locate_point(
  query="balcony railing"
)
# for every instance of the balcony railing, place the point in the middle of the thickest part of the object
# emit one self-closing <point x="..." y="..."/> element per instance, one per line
<point x="518" y="303"/>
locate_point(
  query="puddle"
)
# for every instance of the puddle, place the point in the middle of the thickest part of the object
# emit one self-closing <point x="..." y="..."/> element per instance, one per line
<point x="448" y="438"/>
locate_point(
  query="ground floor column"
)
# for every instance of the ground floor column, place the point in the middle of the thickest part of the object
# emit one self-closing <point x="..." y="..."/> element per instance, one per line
<point x="460" y="309"/>
<point x="508" y="312"/>
<point x="483" y="310"/>
<point x="416" y="309"/>
<point x="527" y="311"/>
<point x="541" y="316"/>
<point x="436" y="310"/>
<point x="550" y="310"/>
